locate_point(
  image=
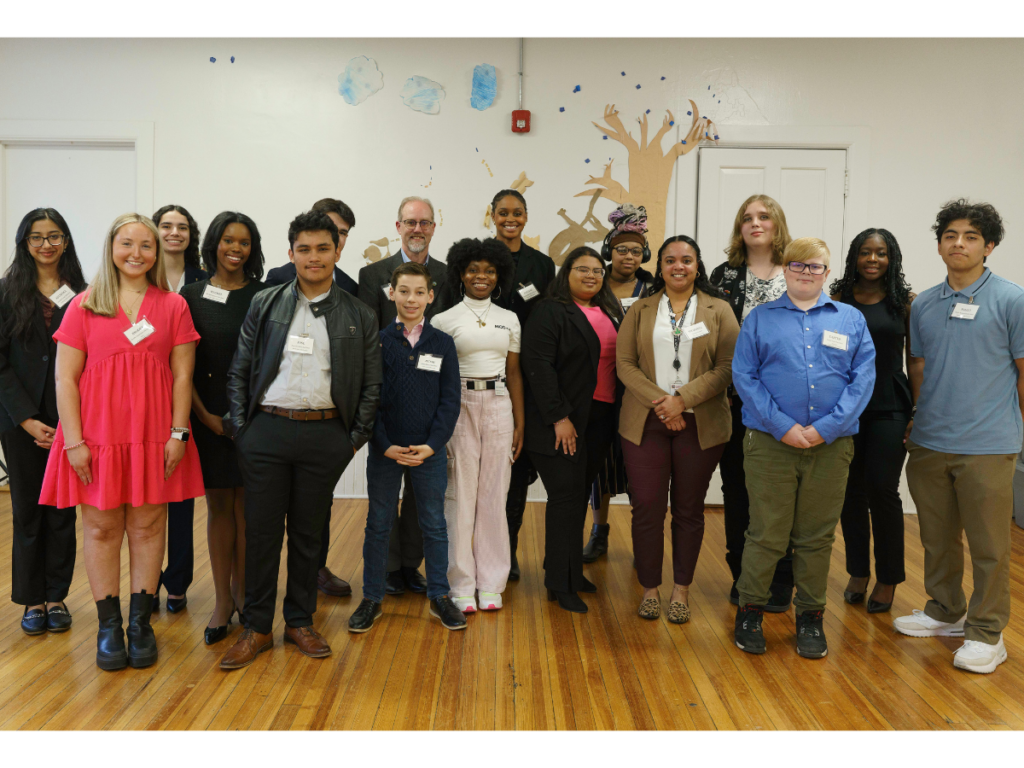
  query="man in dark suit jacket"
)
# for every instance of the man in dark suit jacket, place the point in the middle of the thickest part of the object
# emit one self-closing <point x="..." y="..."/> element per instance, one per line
<point x="415" y="225"/>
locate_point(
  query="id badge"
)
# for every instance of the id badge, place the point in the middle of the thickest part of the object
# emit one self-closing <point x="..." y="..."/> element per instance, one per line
<point x="627" y="303"/>
<point x="141" y="330"/>
<point x="697" y="330"/>
<point x="529" y="291"/>
<point x="964" y="311"/>
<point x="499" y="388"/>
<point x="835" y="340"/>
<point x="303" y="345"/>
<point x="212" y="293"/>
<point x="62" y="295"/>
<point x="429" y="362"/>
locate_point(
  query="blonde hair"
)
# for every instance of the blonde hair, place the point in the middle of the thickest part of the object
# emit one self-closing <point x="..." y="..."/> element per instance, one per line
<point x="806" y="248"/>
<point x="414" y="199"/>
<point x="102" y="296"/>
<point x="737" y="250"/>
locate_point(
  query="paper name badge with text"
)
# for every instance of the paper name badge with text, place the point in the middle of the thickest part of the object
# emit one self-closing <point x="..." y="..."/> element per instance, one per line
<point x="965" y="311"/>
<point x="429" y="362"/>
<point x="836" y="340"/>
<point x="213" y="293"/>
<point x="302" y="345"/>
<point x="696" y="330"/>
<point x="62" y="295"/>
<point x="141" y="330"/>
<point x="529" y="291"/>
<point x="627" y="303"/>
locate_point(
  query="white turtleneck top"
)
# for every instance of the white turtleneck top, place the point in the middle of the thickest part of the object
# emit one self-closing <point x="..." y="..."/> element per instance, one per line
<point x="482" y="349"/>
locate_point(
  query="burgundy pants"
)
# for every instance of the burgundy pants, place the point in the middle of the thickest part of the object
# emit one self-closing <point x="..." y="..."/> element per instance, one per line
<point x="665" y="457"/>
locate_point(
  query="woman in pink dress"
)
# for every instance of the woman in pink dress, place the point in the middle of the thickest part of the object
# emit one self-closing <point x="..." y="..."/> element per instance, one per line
<point x="125" y="353"/>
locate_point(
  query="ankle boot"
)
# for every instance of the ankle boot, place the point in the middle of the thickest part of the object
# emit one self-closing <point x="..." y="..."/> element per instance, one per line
<point x="141" y="640"/>
<point x="110" y="653"/>
<point x="598" y="543"/>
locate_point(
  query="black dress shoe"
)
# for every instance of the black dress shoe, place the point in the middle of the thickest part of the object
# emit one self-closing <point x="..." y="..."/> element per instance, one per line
<point x="364" y="616"/>
<point x="451" y="617"/>
<point x="58" y="619"/>
<point x="569" y="601"/>
<point x="394" y="584"/>
<point x="110" y="651"/>
<point x="414" y="580"/>
<point x="588" y="587"/>
<point x="141" y="640"/>
<point x="213" y="635"/>
<point x="853" y="598"/>
<point x="598" y="544"/>
<point x="876" y="607"/>
<point x="33" y="622"/>
<point x="174" y="604"/>
<point x="781" y="598"/>
<point x="513" y="571"/>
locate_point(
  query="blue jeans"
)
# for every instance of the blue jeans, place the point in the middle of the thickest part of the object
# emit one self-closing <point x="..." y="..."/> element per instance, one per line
<point x="383" y="481"/>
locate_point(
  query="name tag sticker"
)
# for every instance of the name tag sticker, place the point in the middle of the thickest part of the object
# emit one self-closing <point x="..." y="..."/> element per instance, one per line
<point x="627" y="303"/>
<point x="697" y="330"/>
<point x="62" y="295"/>
<point x="429" y="362"/>
<point x="213" y="293"/>
<point x="965" y="311"/>
<point x="835" y="340"/>
<point x="303" y="345"/>
<point x="387" y="291"/>
<point x="499" y="387"/>
<point x="529" y="291"/>
<point x="139" y="331"/>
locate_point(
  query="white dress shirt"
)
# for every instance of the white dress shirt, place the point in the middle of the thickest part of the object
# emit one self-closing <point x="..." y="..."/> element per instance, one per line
<point x="664" y="348"/>
<point x="304" y="381"/>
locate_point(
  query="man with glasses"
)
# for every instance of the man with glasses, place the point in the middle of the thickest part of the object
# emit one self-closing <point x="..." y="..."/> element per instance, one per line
<point x="415" y="226"/>
<point x="804" y="367"/>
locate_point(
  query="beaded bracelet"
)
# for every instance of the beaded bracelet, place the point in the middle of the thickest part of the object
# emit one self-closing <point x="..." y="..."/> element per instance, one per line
<point x="565" y="418"/>
<point x="76" y="445"/>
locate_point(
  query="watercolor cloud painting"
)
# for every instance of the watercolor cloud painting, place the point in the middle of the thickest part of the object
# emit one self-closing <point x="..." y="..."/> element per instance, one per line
<point x="422" y="94"/>
<point x="360" y="80"/>
<point x="485" y="81"/>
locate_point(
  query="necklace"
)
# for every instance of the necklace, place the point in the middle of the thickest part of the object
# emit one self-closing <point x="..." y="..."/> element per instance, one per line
<point x="479" y="318"/>
<point x="127" y="311"/>
<point x="677" y="332"/>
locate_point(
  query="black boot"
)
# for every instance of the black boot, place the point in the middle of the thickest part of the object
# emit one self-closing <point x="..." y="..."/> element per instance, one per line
<point x="515" y="506"/>
<point x="598" y="543"/>
<point x="513" y="571"/>
<point x="141" y="640"/>
<point x="110" y="653"/>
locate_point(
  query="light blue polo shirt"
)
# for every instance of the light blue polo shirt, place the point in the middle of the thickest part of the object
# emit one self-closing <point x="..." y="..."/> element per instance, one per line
<point x="968" y="402"/>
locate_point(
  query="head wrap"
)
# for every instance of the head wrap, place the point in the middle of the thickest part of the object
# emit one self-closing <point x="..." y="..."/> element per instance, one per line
<point x="629" y="224"/>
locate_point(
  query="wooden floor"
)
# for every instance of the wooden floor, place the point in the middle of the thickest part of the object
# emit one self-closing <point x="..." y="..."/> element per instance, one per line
<point x="529" y="666"/>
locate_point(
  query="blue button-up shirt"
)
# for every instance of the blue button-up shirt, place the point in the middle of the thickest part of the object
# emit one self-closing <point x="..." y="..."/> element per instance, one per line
<point x="406" y="259"/>
<point x="786" y="375"/>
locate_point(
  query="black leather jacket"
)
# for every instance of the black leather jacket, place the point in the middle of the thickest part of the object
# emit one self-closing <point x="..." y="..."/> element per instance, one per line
<point x="355" y="357"/>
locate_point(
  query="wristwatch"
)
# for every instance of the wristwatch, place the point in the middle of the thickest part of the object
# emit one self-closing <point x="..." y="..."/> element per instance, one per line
<point x="179" y="433"/>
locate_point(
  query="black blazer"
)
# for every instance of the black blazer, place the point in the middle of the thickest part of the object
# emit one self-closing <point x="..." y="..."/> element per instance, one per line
<point x="285" y="274"/>
<point x="532" y="267"/>
<point x="373" y="278"/>
<point x="23" y="365"/>
<point x="559" y="357"/>
<point x="194" y="275"/>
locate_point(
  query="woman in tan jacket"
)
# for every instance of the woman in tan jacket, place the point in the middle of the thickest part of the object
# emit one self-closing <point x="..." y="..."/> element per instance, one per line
<point x="674" y="355"/>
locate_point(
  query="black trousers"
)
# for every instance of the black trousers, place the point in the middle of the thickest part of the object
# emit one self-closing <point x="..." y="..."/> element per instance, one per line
<point x="737" y="503"/>
<point x="290" y="470"/>
<point x="44" y="541"/>
<point x="873" y="499"/>
<point x="177" y="577"/>
<point x="523" y="476"/>
<point x="568" y="487"/>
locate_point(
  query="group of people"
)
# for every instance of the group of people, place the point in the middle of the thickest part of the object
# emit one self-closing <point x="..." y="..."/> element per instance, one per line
<point x="179" y="371"/>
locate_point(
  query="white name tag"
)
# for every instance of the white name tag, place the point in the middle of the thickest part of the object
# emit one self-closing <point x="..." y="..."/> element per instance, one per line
<point x="303" y="345"/>
<point x="139" y="331"/>
<point x="695" y="331"/>
<point x="387" y="291"/>
<point x="835" y="340"/>
<point x="528" y="292"/>
<point x="216" y="294"/>
<point x="964" y="311"/>
<point x="627" y="303"/>
<point x="62" y="295"/>
<point x="429" y="362"/>
<point x="499" y="387"/>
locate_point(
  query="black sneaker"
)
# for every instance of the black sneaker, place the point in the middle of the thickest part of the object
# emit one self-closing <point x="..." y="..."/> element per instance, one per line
<point x="364" y="616"/>
<point x="810" y="635"/>
<point x="781" y="598"/>
<point x="749" y="636"/>
<point x="451" y="617"/>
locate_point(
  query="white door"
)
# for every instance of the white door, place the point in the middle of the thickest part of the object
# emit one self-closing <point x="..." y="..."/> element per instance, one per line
<point x="91" y="184"/>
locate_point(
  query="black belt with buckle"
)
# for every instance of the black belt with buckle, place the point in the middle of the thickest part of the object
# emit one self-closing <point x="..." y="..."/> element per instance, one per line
<point x="296" y="414"/>
<point x="482" y="384"/>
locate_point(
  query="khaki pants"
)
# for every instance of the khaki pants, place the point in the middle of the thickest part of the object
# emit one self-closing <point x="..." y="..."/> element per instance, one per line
<point x="796" y="495"/>
<point x="954" y="494"/>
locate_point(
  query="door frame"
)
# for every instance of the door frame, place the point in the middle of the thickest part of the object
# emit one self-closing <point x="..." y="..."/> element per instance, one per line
<point x="138" y="133"/>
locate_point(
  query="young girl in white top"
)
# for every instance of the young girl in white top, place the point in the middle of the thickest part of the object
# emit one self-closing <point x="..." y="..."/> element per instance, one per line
<point x="489" y="434"/>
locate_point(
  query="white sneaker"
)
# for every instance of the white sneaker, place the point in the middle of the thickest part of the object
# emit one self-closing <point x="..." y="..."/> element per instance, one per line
<point x="975" y="656"/>
<point x="465" y="604"/>
<point x="490" y="601"/>
<point x="920" y="625"/>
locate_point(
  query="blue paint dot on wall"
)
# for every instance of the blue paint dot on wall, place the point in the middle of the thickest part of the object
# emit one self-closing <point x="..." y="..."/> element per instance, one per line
<point x="683" y="141"/>
<point x="719" y="101"/>
<point x="638" y="86"/>
<point x="713" y="95"/>
<point x="647" y="112"/>
<point x="623" y="74"/>
<point x="232" y="59"/>
<point x="561" y="109"/>
<point x="709" y="87"/>
<point x="576" y="89"/>
<point x="605" y="138"/>
<point x="689" y="112"/>
<point x="587" y="160"/>
<point x="212" y="59"/>
<point x="671" y="122"/>
<point x="477" y="149"/>
<point x="716" y="137"/>
<point x="662" y="77"/>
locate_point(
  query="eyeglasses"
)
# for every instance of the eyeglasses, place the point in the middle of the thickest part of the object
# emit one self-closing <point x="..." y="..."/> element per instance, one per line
<point x="411" y="224"/>
<point x="622" y="250"/>
<point x="584" y="271"/>
<point x="37" y="240"/>
<point x="814" y="269"/>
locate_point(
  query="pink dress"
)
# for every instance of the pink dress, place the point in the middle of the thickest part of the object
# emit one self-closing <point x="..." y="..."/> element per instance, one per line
<point x="126" y="409"/>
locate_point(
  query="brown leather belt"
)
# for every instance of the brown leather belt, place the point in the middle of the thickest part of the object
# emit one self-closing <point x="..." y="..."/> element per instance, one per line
<point x="297" y="415"/>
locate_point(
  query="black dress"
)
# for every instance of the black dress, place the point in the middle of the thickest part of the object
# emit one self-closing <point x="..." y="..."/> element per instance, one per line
<point x="219" y="326"/>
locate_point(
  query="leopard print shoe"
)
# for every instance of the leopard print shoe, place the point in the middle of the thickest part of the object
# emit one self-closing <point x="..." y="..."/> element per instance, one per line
<point x="649" y="608"/>
<point x="678" y="613"/>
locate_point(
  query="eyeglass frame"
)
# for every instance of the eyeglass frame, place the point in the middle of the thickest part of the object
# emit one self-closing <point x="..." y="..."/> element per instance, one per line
<point x="47" y="238"/>
<point x="595" y="271"/>
<point x="806" y="268"/>
<point x="411" y="224"/>
<point x="636" y="251"/>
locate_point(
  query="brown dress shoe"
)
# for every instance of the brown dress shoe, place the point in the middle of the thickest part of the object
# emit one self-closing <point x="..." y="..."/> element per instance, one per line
<point x="308" y="640"/>
<point x="331" y="585"/>
<point x="250" y="644"/>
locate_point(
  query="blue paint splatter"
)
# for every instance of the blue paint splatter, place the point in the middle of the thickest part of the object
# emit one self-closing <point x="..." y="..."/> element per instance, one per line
<point x="671" y="122"/>
<point x="647" y="112"/>
<point x="638" y="86"/>
<point x="561" y="109"/>
<point x="576" y="89"/>
<point x="689" y="112"/>
<point x="212" y="59"/>
<point x="605" y="138"/>
<point x="485" y="83"/>
<point x="709" y="87"/>
<point x="360" y="80"/>
<point x="683" y="141"/>
<point x="422" y="94"/>
<point x="719" y="101"/>
<point x="477" y="149"/>
<point x="662" y="77"/>
<point x="716" y="137"/>
<point x="713" y="95"/>
<point x="623" y="74"/>
<point x="587" y="160"/>
<point x="232" y="59"/>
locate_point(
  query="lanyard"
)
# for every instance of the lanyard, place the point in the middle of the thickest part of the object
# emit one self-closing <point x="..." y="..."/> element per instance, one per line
<point x="677" y="332"/>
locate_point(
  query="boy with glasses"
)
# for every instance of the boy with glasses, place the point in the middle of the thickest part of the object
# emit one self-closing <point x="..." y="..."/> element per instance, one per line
<point x="804" y="367"/>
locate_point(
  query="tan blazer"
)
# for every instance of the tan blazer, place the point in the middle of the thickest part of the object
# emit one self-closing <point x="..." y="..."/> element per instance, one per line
<point x="710" y="369"/>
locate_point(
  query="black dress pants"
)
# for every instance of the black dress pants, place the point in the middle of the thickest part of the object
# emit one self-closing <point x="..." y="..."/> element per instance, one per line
<point x="44" y="542"/>
<point x="568" y="487"/>
<point x="177" y="577"/>
<point x="737" y="503"/>
<point x="290" y="470"/>
<point x="874" y="485"/>
<point x="523" y="476"/>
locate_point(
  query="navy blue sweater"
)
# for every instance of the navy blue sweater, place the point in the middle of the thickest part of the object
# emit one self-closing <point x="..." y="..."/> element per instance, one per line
<point x="417" y="407"/>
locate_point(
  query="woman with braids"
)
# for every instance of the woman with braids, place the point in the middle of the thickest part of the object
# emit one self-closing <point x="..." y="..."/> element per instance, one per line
<point x="873" y="282"/>
<point x="675" y="357"/>
<point x="534" y="271"/>
<point x="42" y="279"/>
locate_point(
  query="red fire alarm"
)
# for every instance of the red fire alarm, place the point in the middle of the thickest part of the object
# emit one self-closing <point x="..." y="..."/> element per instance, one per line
<point x="520" y="121"/>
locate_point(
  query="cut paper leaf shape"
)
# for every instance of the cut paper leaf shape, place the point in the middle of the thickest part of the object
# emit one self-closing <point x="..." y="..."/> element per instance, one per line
<point x="422" y="94"/>
<point x="360" y="80"/>
<point x="485" y="83"/>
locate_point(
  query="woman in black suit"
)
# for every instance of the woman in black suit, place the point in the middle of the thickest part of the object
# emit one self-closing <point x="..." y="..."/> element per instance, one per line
<point x="44" y="276"/>
<point x="568" y="358"/>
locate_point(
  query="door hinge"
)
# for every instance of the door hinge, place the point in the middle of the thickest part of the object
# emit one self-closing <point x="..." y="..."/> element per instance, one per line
<point x="846" y="182"/>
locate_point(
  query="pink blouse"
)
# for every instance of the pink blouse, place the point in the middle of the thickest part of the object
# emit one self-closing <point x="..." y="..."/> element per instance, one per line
<point x="605" y="330"/>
